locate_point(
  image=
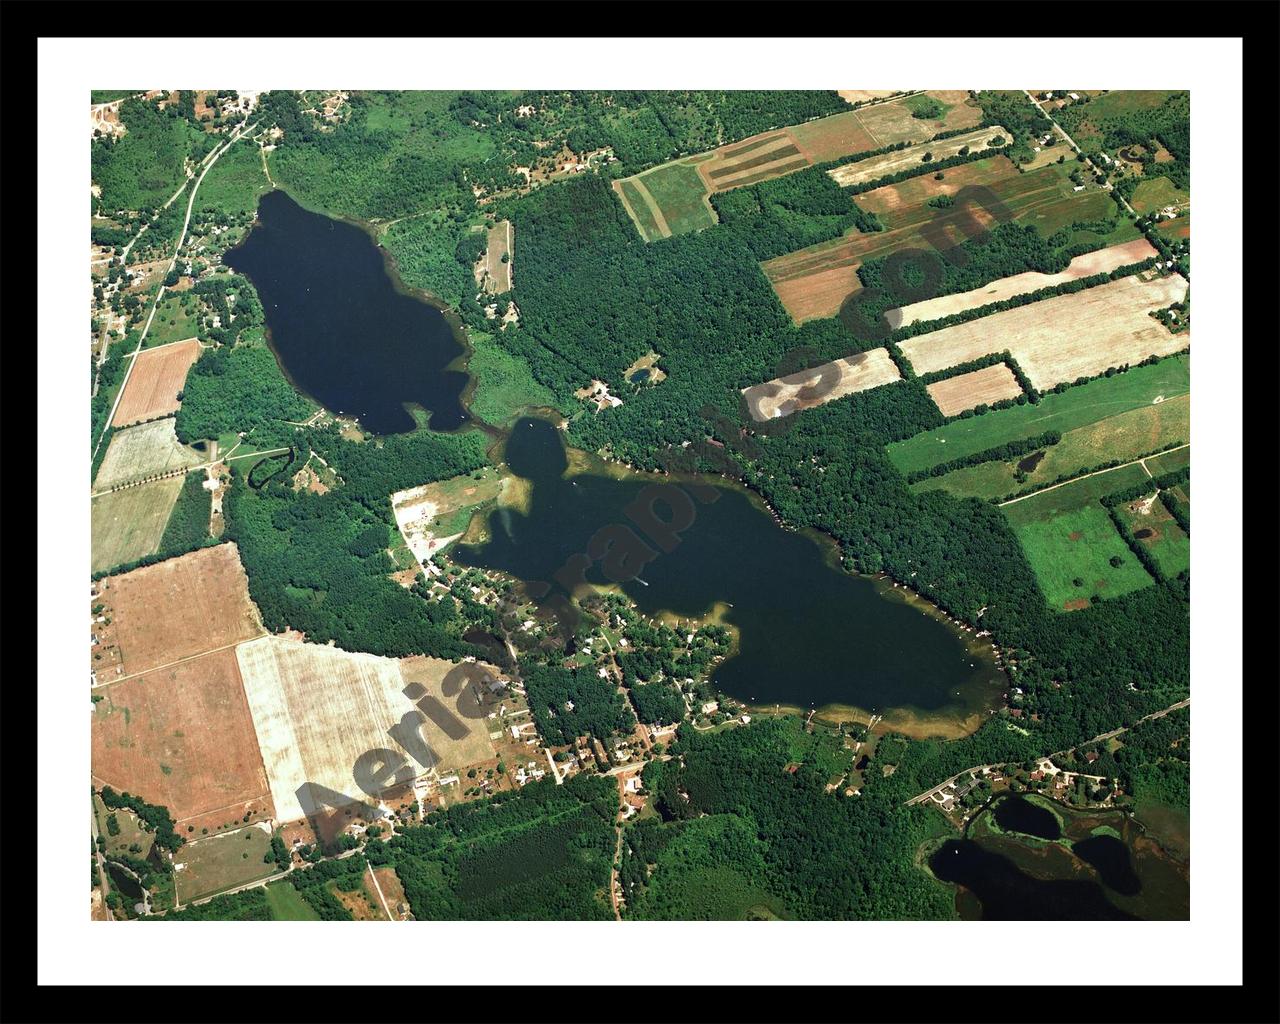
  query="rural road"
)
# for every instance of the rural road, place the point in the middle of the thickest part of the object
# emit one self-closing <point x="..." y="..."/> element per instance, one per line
<point x="184" y="470"/>
<point x="385" y="909"/>
<point x="1097" y="472"/>
<point x="209" y="161"/>
<point x="928" y="794"/>
<point x="1072" y="143"/>
<point x="102" y="864"/>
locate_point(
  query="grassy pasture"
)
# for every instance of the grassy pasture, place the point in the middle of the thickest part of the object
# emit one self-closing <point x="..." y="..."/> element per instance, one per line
<point x="1072" y="496"/>
<point x="1127" y="435"/>
<point x="1079" y="545"/>
<point x="1157" y="193"/>
<point x="128" y="524"/>
<point x="504" y="382"/>
<point x="1168" y="462"/>
<point x="175" y="319"/>
<point x="1076" y="407"/>
<point x="1155" y="529"/>
<point x="221" y="862"/>
<point x="287" y="905"/>
<point x="130" y="827"/>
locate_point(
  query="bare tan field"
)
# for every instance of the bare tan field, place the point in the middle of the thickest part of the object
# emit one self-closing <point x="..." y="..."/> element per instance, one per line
<point x="318" y="710"/>
<point x="158" y="375"/>
<point x="497" y="275"/>
<point x="181" y="736"/>
<point x="822" y="384"/>
<point x="899" y="160"/>
<point x="862" y="95"/>
<point x="1101" y="261"/>
<point x="981" y="387"/>
<point x="180" y="608"/>
<point x="1064" y="337"/>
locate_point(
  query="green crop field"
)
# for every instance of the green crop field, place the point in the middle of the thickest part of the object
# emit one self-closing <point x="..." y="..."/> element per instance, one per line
<point x="1079" y="545"/>
<point x="681" y="196"/>
<point x="128" y="524"/>
<point x="1127" y="435"/>
<point x="1075" y="407"/>
<point x="1074" y="495"/>
<point x="640" y="211"/>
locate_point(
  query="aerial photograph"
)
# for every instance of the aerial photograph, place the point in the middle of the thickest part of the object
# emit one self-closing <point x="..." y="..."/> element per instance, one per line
<point x="639" y="505"/>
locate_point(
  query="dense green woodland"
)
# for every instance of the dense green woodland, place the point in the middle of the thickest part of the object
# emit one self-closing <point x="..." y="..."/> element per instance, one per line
<point x="773" y="837"/>
<point x="542" y="853"/>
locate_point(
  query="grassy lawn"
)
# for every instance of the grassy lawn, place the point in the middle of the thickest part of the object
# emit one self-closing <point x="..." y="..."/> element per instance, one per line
<point x="1157" y="193"/>
<point x="680" y="194"/>
<point x="1075" y="407"/>
<point x="220" y="862"/>
<point x="1079" y="545"/>
<point x="504" y="383"/>
<point x="130" y="831"/>
<point x="175" y="319"/>
<point x="287" y="905"/>
<point x="1125" y="436"/>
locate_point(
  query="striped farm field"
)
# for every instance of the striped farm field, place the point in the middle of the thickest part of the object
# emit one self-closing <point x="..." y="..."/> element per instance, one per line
<point x="156" y="379"/>
<point x="815" y="282"/>
<point x="1100" y="261"/>
<point x="136" y="453"/>
<point x="673" y="199"/>
<point x="882" y="166"/>
<point x="1076" y="407"/>
<point x="1064" y="337"/>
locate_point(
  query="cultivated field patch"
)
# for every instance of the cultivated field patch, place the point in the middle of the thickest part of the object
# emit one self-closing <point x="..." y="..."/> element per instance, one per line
<point x="1064" y="337"/>
<point x="815" y="281"/>
<point x="862" y="95"/>
<point x="673" y="199"/>
<point x="1100" y="261"/>
<point x="987" y="386"/>
<point x="318" y="710"/>
<point x="207" y="866"/>
<point x="1169" y="462"/>
<point x="912" y="156"/>
<point x="181" y="736"/>
<point x="179" y="608"/>
<point x="809" y="388"/>
<point x="1076" y="407"/>
<point x="128" y="524"/>
<point x="136" y="453"/>
<point x="157" y="377"/>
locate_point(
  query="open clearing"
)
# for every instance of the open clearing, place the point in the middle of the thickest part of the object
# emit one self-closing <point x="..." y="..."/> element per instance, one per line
<point x="1157" y="193"/>
<point x="912" y="156"/>
<point x="128" y="524"/>
<point x="181" y="736"/>
<point x="494" y="274"/>
<point x="673" y="198"/>
<point x="287" y="904"/>
<point x="136" y="453"/>
<point x="1157" y="531"/>
<point x="987" y="386"/>
<point x="430" y="516"/>
<point x="208" y="866"/>
<point x="158" y="375"/>
<point x="1169" y="461"/>
<point x="1064" y="337"/>
<point x="179" y="608"/>
<point x="815" y="281"/>
<point x="1128" y="435"/>
<point x="1075" y="407"/>
<point x="1101" y="261"/>
<point x="809" y="388"/>
<point x="317" y="710"/>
